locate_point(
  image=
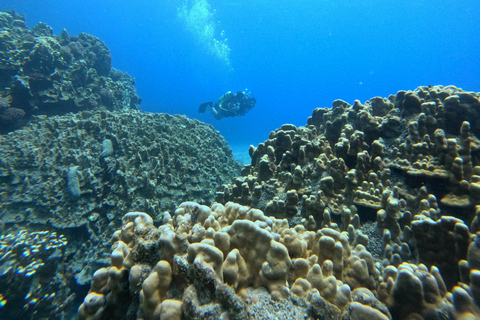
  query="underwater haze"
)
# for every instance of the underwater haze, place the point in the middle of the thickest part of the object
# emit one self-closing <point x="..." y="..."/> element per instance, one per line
<point x="294" y="56"/>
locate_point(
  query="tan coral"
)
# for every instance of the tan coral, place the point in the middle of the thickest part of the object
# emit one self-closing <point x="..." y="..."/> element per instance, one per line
<point x="118" y="273"/>
<point x="155" y="289"/>
<point x="257" y="251"/>
<point x="207" y="256"/>
<point x="275" y="269"/>
<point x="253" y="244"/>
<point x="356" y="310"/>
<point x="235" y="270"/>
<point x="92" y="307"/>
<point x="171" y="310"/>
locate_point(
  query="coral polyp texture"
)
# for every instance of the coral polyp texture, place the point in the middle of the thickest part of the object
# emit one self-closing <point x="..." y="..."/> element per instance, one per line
<point x="42" y="73"/>
<point x="78" y="174"/>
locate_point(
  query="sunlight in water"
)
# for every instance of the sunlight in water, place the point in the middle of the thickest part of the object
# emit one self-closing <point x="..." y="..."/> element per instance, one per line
<point x="199" y="19"/>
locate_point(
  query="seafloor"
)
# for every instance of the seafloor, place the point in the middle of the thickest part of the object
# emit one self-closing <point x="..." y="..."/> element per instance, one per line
<point x="370" y="211"/>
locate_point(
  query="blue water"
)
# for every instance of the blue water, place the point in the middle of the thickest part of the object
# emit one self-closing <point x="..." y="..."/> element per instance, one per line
<point x="293" y="56"/>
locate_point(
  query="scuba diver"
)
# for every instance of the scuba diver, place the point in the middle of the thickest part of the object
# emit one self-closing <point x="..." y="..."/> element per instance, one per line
<point x="230" y="105"/>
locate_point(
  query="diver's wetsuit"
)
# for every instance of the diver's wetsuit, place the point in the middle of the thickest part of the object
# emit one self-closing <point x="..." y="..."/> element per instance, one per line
<point x="230" y="105"/>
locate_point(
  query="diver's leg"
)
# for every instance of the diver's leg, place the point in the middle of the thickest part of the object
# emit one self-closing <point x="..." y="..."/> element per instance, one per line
<point x="214" y="111"/>
<point x="204" y="106"/>
<point x="218" y="114"/>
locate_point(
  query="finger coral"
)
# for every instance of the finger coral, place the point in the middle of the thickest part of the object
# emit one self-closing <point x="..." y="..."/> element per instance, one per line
<point x="201" y="281"/>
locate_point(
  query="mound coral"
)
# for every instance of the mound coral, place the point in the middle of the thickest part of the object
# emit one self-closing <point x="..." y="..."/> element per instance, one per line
<point x="198" y="264"/>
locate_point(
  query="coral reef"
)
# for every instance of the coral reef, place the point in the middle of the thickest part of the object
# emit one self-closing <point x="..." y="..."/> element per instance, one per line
<point x="78" y="174"/>
<point x="357" y="152"/>
<point x="233" y="262"/>
<point x="45" y="74"/>
<point x="32" y="275"/>
<point x="369" y="211"/>
<point x="408" y="163"/>
<point x="391" y="160"/>
<point x="69" y="171"/>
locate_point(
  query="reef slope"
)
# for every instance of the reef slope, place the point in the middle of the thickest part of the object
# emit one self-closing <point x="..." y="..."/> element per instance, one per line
<point x="73" y="177"/>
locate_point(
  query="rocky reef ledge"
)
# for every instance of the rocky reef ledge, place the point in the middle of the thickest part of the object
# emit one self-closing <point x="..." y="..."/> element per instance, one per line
<point x="46" y="74"/>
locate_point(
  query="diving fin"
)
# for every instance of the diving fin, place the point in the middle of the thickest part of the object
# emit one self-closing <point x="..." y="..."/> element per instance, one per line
<point x="204" y="107"/>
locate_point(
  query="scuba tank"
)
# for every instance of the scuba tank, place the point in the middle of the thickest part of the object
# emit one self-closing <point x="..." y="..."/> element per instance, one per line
<point x="227" y="96"/>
